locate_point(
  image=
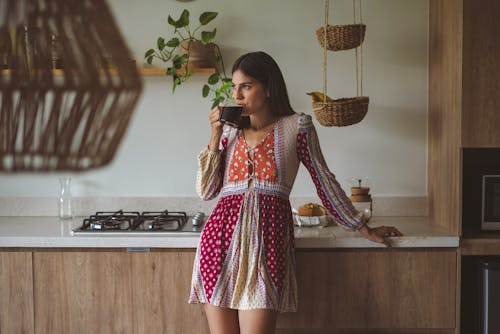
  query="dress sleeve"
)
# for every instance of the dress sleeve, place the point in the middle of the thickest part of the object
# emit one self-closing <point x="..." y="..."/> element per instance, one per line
<point x="209" y="177"/>
<point x="329" y="191"/>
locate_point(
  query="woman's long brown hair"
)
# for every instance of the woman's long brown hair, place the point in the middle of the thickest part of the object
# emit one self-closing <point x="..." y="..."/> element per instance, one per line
<point x="263" y="68"/>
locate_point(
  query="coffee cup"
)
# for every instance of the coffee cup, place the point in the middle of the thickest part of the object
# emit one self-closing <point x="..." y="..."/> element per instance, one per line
<point x="231" y="115"/>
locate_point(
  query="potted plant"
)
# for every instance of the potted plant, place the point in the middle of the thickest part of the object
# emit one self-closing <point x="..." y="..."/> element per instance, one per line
<point x="189" y="49"/>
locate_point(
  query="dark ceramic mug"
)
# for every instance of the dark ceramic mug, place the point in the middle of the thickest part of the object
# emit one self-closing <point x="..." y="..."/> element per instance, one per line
<point x="231" y="115"/>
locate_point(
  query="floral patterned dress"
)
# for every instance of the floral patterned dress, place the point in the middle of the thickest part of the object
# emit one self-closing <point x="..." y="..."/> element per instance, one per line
<point x="245" y="257"/>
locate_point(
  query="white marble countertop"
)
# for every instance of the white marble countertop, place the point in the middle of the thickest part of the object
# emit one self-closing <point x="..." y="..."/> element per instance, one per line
<point x="50" y="232"/>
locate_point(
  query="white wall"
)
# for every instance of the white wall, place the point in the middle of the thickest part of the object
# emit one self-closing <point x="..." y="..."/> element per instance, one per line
<point x="158" y="154"/>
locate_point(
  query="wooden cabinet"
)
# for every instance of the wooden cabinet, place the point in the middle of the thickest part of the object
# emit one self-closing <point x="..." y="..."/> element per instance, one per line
<point x="82" y="292"/>
<point x="113" y="291"/>
<point x="444" y="118"/>
<point x="481" y="74"/>
<point x="464" y="99"/>
<point x="16" y="292"/>
<point x="116" y="291"/>
<point x="162" y="282"/>
<point x="393" y="291"/>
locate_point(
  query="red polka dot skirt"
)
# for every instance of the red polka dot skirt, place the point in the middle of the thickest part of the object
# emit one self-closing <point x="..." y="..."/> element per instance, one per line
<point x="245" y="257"/>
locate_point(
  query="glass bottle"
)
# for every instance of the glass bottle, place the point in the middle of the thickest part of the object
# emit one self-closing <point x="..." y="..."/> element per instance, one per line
<point x="65" y="199"/>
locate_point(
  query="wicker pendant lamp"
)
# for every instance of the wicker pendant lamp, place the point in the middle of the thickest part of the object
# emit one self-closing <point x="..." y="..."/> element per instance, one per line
<point x="63" y="107"/>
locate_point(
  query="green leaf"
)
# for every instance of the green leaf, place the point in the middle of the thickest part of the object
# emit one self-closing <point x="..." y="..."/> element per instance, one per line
<point x="149" y="53"/>
<point x="225" y="89"/>
<point x="160" y="43"/>
<point x="183" y="20"/>
<point x="186" y="76"/>
<point x="179" y="60"/>
<point x="217" y="101"/>
<point x="170" y="71"/>
<point x="177" y="82"/>
<point x="206" y="90"/>
<point x="206" y="17"/>
<point x="171" y="21"/>
<point x="207" y="36"/>
<point x="173" y="42"/>
<point x="149" y="60"/>
<point x="213" y="79"/>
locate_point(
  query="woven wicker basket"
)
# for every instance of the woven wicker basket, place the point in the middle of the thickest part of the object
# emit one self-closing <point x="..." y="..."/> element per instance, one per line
<point x="341" y="37"/>
<point x="341" y="112"/>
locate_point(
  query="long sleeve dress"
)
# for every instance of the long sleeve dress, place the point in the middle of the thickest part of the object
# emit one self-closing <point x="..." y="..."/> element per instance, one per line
<point x="245" y="257"/>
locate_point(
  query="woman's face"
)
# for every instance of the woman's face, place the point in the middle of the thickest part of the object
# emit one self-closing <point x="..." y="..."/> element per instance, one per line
<point x="249" y="93"/>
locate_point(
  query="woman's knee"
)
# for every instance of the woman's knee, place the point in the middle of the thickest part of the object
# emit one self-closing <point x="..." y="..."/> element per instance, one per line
<point x="222" y="320"/>
<point x="261" y="321"/>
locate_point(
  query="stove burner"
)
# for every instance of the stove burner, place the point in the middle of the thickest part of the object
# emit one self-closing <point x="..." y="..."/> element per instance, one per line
<point x="148" y="221"/>
<point x="118" y="220"/>
<point x="165" y="220"/>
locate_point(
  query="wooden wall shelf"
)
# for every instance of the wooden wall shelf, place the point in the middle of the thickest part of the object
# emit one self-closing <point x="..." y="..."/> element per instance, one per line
<point x="163" y="70"/>
<point x="147" y="71"/>
<point x="6" y="72"/>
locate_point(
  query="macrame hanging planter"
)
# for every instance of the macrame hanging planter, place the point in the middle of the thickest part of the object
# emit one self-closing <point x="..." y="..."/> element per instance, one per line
<point x="343" y="111"/>
<point x="68" y="85"/>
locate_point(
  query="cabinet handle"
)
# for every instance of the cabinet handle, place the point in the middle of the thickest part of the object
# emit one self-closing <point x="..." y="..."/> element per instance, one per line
<point x="138" y="250"/>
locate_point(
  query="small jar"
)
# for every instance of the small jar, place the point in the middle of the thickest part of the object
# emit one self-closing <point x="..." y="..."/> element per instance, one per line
<point x="362" y="201"/>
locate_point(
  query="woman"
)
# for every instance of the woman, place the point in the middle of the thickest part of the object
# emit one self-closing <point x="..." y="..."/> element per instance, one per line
<point x="244" y="269"/>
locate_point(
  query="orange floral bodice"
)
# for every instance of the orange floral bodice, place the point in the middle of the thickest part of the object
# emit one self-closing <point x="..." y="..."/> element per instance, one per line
<point x="256" y="162"/>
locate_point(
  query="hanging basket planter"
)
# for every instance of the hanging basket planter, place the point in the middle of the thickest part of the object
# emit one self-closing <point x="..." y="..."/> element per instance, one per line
<point x="341" y="37"/>
<point x="341" y="112"/>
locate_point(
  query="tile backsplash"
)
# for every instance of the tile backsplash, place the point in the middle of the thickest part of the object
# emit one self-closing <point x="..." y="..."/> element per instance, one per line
<point x="84" y="206"/>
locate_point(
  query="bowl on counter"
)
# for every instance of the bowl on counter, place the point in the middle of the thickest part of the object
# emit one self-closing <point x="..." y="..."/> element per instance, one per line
<point x="311" y="220"/>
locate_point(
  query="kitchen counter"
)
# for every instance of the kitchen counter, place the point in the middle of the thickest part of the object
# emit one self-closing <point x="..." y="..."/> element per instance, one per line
<point x="50" y="232"/>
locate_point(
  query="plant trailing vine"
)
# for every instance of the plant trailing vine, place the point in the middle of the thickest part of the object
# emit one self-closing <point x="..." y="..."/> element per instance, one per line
<point x="175" y="51"/>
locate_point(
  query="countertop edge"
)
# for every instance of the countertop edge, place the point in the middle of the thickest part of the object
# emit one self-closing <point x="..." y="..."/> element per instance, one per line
<point x="49" y="232"/>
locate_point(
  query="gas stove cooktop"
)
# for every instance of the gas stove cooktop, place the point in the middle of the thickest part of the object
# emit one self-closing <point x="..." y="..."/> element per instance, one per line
<point x="145" y="223"/>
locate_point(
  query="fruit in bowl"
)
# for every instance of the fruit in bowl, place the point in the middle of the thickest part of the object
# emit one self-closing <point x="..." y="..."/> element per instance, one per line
<point x="311" y="214"/>
<point x="311" y="210"/>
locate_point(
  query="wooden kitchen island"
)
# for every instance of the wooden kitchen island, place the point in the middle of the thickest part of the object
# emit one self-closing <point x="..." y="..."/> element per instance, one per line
<point x="52" y="282"/>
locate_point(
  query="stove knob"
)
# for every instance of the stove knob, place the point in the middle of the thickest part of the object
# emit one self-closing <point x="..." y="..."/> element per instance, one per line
<point x="96" y="226"/>
<point x="197" y="219"/>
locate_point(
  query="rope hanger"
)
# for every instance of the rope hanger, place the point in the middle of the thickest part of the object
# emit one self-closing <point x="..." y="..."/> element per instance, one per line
<point x="359" y="58"/>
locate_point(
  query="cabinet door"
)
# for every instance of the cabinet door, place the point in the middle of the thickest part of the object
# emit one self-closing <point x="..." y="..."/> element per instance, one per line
<point x="162" y="283"/>
<point x="481" y="70"/>
<point x="115" y="292"/>
<point x="374" y="289"/>
<point x="82" y="292"/>
<point x="16" y="292"/>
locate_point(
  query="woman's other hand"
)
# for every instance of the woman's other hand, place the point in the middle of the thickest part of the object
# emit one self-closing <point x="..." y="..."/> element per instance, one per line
<point x="216" y="126"/>
<point x="379" y="234"/>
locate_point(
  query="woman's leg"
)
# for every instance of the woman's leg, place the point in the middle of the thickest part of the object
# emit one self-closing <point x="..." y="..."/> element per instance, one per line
<point x="259" y="321"/>
<point x="222" y="320"/>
